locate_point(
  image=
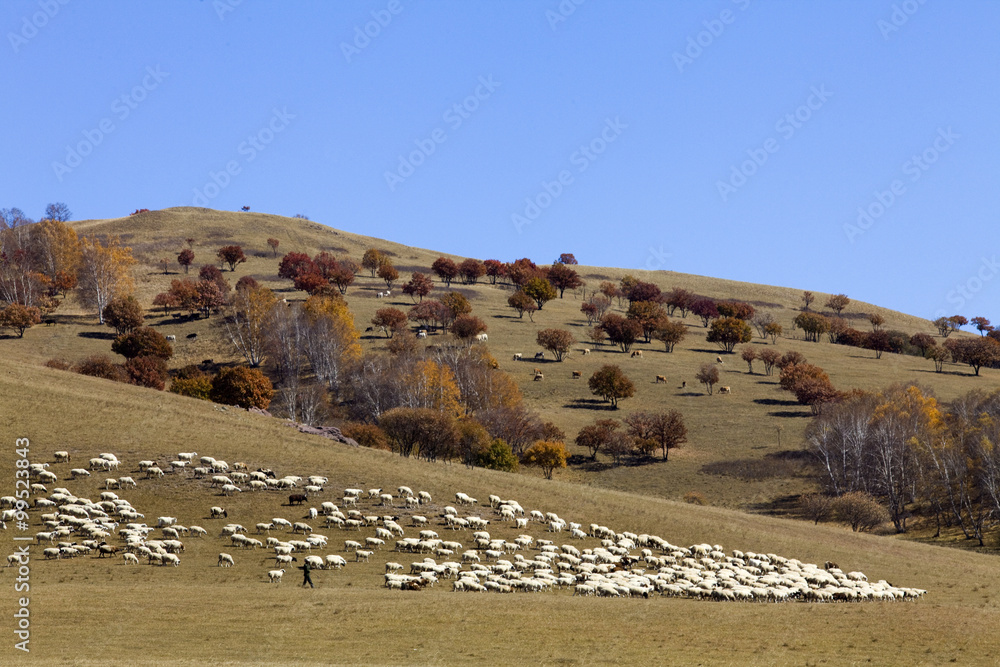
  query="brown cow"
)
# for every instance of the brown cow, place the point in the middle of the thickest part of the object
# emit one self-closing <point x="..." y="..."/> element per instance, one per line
<point x="661" y="378"/>
<point x="577" y="374"/>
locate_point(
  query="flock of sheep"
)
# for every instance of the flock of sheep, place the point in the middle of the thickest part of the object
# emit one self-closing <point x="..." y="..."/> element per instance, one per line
<point x="491" y="553"/>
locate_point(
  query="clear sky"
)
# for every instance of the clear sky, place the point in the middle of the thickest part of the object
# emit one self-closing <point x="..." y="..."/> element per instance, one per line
<point x="838" y="146"/>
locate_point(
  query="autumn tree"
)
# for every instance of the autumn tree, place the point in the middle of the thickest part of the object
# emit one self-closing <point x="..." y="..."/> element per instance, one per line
<point x="813" y="325"/>
<point x="420" y="285"/>
<point x="388" y="273"/>
<point x="372" y="259"/>
<point x="976" y="352"/>
<point x="680" y="299"/>
<point x="556" y="341"/>
<point x="876" y="321"/>
<point x="539" y="289"/>
<point x="773" y="331"/>
<point x="611" y="384"/>
<point x="123" y="314"/>
<point x="705" y="309"/>
<point x="657" y="430"/>
<point x="105" y="272"/>
<point x="563" y="278"/>
<point x="515" y="424"/>
<point x="389" y="320"/>
<point x="982" y="325"/>
<point x="55" y="250"/>
<point x="749" y="355"/>
<point x="789" y="358"/>
<point x="19" y="317"/>
<point x="727" y="332"/>
<point x="466" y="327"/>
<point x="816" y="392"/>
<point x="186" y="258"/>
<point x="214" y="274"/>
<point x="956" y="322"/>
<point x="922" y="342"/>
<point x="597" y="435"/>
<point x="522" y="303"/>
<point x="248" y="320"/>
<point x="837" y="303"/>
<point x="877" y="341"/>
<point x="816" y="506"/>
<point x="494" y="270"/>
<point x="522" y="270"/>
<point x="807" y="299"/>
<point x="142" y="342"/>
<point x="457" y="304"/>
<point x="471" y="271"/>
<point x="770" y="357"/>
<point x="242" y="386"/>
<point x="147" y="371"/>
<point x="192" y="382"/>
<point x="860" y="511"/>
<point x="546" y="455"/>
<point x="738" y="309"/>
<point x="295" y="263"/>
<point x="231" y="255"/>
<point x="445" y="269"/>
<point x="411" y="430"/>
<point x="473" y="439"/>
<point x="649" y="315"/>
<point x="332" y="342"/>
<point x="670" y="333"/>
<point x="621" y="331"/>
<point x="210" y="295"/>
<point x="274" y="243"/>
<point x="708" y="375"/>
<point x="566" y="258"/>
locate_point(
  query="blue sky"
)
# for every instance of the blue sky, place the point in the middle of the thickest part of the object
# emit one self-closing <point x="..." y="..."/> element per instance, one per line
<point x="834" y="146"/>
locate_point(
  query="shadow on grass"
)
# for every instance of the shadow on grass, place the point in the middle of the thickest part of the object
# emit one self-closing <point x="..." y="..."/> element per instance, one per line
<point x="783" y="506"/>
<point x="774" y="401"/>
<point x="587" y="464"/>
<point x="791" y="413"/>
<point x="590" y="404"/>
<point x="98" y="335"/>
<point x="958" y="373"/>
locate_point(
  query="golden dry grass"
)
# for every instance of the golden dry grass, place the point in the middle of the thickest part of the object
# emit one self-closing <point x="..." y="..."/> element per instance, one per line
<point x="90" y="610"/>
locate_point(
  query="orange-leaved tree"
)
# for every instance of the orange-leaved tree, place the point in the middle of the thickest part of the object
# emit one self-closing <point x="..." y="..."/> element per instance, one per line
<point x="547" y="455"/>
<point x="105" y="272"/>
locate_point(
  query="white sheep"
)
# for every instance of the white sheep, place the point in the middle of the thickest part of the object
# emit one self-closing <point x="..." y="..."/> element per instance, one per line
<point x="225" y="560"/>
<point x="275" y="575"/>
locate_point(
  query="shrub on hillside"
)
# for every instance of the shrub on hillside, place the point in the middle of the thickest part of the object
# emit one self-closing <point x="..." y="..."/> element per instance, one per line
<point x="694" y="498"/>
<point x="242" y="386"/>
<point x="101" y="366"/>
<point x="147" y="372"/>
<point x="143" y="342"/>
<point x="498" y="456"/>
<point x="123" y="314"/>
<point x="58" y="364"/>
<point x="367" y="435"/>
<point x="193" y="385"/>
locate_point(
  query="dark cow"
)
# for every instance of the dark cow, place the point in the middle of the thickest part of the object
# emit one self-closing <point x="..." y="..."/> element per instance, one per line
<point x="297" y="498"/>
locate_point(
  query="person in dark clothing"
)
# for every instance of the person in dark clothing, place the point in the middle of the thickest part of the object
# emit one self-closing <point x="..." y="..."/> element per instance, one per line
<point x="305" y="572"/>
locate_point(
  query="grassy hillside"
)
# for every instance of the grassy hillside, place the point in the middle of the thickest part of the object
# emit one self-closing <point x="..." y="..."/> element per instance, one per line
<point x="743" y="425"/>
<point x="87" y="610"/>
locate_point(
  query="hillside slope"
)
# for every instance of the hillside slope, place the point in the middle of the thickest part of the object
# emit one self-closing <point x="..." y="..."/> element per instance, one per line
<point x="756" y="420"/>
<point x="198" y="613"/>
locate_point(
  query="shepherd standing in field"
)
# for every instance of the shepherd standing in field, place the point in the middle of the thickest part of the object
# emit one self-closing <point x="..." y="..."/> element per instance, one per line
<point x="305" y="572"/>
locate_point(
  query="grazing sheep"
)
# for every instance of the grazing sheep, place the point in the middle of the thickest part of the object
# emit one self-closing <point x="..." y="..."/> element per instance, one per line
<point x="386" y="499"/>
<point x="218" y="511"/>
<point x="130" y="559"/>
<point x="61" y="457"/>
<point x="275" y="575"/>
<point x="482" y="337"/>
<point x="361" y="554"/>
<point x="335" y="561"/>
<point x="225" y="560"/>
<point x="230" y="489"/>
<point x="171" y="338"/>
<point x="78" y="472"/>
<point x="518" y="356"/>
<point x="154" y="471"/>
